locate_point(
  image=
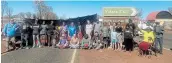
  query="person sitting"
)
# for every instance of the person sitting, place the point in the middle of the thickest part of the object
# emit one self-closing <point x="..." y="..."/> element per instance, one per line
<point x="85" y="42"/>
<point x="74" y="42"/>
<point x="96" y="40"/>
<point x="63" y="43"/>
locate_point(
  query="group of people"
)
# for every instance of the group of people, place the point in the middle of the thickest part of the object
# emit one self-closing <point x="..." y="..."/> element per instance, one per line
<point x="96" y="35"/>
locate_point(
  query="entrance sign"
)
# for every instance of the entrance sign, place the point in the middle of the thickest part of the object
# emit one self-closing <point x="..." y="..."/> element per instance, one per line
<point x="119" y="11"/>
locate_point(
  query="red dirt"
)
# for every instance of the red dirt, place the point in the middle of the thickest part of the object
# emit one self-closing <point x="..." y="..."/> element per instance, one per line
<point x="110" y="56"/>
<point x="3" y="46"/>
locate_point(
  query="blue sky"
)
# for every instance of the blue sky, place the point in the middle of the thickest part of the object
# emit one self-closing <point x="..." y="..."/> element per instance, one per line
<point x="82" y="8"/>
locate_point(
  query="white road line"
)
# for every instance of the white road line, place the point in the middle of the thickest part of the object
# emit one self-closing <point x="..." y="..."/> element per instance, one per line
<point x="166" y="48"/>
<point x="4" y="53"/>
<point x="73" y="56"/>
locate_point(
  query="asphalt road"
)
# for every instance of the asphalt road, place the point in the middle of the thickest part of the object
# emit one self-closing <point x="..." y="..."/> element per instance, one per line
<point x="167" y="40"/>
<point x="39" y="55"/>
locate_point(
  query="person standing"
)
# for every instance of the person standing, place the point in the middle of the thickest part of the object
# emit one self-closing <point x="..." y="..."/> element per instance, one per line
<point x="105" y="33"/>
<point x="9" y="32"/>
<point x="79" y="32"/>
<point x="130" y="29"/>
<point x="131" y="26"/>
<point x="71" y="30"/>
<point x="25" y="35"/>
<point x="50" y="33"/>
<point x="158" y="29"/>
<point x="36" y="30"/>
<point x="114" y="40"/>
<point x="89" y="29"/>
<point x="63" y="30"/>
<point x="97" y="27"/>
<point x="43" y="34"/>
<point x="119" y="35"/>
<point x="112" y="25"/>
<point x="128" y="39"/>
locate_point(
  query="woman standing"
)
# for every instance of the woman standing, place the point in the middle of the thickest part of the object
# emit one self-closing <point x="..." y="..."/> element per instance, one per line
<point x="50" y="33"/>
<point x="89" y="29"/>
<point x="43" y="34"/>
<point x="105" y="33"/>
<point x="119" y="35"/>
<point x="71" y="30"/>
<point x="79" y="33"/>
<point x="36" y="39"/>
<point x="128" y="39"/>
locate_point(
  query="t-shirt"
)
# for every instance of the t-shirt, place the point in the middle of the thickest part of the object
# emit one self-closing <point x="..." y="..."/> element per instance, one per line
<point x="118" y="29"/>
<point x="50" y="29"/>
<point x="105" y="32"/>
<point x="71" y="30"/>
<point x="26" y="30"/>
<point x="146" y="36"/>
<point x="63" y="28"/>
<point x="97" y="27"/>
<point x="35" y="29"/>
<point x="89" y="28"/>
<point x="44" y="29"/>
<point x="85" y="41"/>
<point x="128" y="34"/>
<point x="113" y="35"/>
<point x="63" y="41"/>
<point x="111" y="28"/>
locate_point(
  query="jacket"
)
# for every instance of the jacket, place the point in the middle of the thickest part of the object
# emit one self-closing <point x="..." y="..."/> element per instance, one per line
<point x="10" y="29"/>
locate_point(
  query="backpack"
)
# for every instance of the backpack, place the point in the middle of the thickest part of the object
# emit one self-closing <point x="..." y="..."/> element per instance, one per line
<point x="157" y="29"/>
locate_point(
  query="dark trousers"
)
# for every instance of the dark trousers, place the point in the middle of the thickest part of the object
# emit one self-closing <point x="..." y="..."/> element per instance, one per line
<point x="128" y="42"/>
<point x="160" y="42"/>
<point x="24" y="38"/>
<point x="50" y="39"/>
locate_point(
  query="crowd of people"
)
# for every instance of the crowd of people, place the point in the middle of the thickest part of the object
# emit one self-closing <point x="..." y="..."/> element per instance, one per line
<point x="96" y="35"/>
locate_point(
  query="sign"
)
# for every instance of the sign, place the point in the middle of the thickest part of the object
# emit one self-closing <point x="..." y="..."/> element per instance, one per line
<point x="119" y="11"/>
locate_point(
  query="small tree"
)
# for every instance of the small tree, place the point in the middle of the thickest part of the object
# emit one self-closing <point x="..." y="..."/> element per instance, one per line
<point x="3" y="9"/>
<point x="28" y="14"/>
<point x="170" y="10"/>
<point x="9" y="12"/>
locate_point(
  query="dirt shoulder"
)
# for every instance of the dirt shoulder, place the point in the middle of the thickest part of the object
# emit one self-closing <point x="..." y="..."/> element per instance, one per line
<point x="110" y="56"/>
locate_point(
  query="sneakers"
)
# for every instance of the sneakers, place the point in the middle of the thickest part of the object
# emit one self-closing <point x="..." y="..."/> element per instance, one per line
<point x="27" y="47"/>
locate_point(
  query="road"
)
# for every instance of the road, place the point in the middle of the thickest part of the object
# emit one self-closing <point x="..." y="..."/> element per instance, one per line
<point x="39" y="55"/>
<point x="54" y="55"/>
<point x="168" y="40"/>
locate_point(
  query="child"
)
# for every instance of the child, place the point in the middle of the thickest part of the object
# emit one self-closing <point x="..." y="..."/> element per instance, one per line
<point x="114" y="39"/>
<point x="63" y="43"/>
<point x="85" y="42"/>
<point x="96" y="40"/>
<point x="56" y="37"/>
<point x="74" y="43"/>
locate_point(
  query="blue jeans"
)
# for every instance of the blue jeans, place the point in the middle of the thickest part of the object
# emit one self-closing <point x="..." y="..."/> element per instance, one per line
<point x="34" y="40"/>
<point x="160" y="42"/>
